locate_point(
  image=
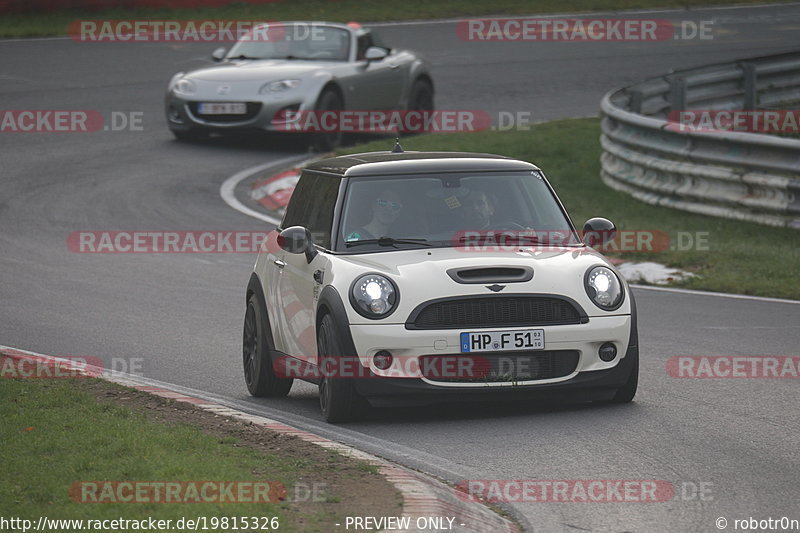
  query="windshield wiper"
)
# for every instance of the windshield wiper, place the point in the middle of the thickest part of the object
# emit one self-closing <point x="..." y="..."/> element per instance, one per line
<point x="388" y="241"/>
<point x="242" y="56"/>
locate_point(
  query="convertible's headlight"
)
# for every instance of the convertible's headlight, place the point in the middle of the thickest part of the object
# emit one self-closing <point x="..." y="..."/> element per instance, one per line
<point x="374" y="296"/>
<point x="278" y="86"/>
<point x="173" y="79"/>
<point x="185" y="86"/>
<point x="604" y="288"/>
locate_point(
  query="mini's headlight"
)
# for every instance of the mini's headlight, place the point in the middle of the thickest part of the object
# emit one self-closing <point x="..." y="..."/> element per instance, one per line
<point x="374" y="296"/>
<point x="603" y="288"/>
<point x="185" y="86"/>
<point x="278" y="86"/>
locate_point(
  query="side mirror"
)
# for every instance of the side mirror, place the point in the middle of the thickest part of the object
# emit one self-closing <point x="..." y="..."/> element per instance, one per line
<point x="297" y="240"/>
<point x="598" y="231"/>
<point x="375" y="53"/>
<point x="218" y="54"/>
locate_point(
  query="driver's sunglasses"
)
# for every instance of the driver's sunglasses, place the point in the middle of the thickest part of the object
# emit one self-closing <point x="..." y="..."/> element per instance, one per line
<point x="394" y="206"/>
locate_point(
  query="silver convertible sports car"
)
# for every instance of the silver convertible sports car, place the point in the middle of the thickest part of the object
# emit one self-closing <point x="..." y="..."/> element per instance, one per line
<point x="273" y="75"/>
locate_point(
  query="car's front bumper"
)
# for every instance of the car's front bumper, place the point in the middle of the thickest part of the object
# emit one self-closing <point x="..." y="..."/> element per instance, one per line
<point x="598" y="384"/>
<point x="182" y="114"/>
<point x="405" y="380"/>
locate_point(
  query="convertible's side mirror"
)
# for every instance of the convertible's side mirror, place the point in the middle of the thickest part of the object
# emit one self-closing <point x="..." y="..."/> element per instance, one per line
<point x="218" y="54"/>
<point x="375" y="53"/>
<point x="297" y="240"/>
<point x="598" y="231"/>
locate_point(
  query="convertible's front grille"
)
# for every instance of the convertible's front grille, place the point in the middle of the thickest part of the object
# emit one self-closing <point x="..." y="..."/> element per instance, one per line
<point x="500" y="367"/>
<point x="253" y="109"/>
<point x="493" y="311"/>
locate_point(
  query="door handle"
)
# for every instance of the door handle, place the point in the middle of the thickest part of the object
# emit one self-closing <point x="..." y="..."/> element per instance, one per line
<point x="280" y="263"/>
<point x="394" y="65"/>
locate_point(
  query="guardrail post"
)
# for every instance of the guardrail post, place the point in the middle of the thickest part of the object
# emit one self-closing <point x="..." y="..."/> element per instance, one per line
<point x="749" y="84"/>
<point x="635" y="103"/>
<point x="677" y="94"/>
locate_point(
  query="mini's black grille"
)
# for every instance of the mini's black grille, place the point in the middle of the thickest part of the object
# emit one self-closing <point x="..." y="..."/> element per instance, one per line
<point x="492" y="312"/>
<point x="499" y="368"/>
<point x="253" y="109"/>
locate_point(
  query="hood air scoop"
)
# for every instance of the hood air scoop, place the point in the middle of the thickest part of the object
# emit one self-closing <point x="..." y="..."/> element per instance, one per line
<point x="496" y="274"/>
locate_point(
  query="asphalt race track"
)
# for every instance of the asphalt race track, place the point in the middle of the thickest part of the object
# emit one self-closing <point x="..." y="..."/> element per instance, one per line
<point x="177" y="317"/>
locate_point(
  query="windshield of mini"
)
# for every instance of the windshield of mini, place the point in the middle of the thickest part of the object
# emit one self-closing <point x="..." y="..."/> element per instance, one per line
<point x="455" y="210"/>
<point x="293" y="41"/>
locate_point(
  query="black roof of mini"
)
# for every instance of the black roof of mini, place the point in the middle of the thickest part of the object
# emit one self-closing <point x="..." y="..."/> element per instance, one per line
<point x="393" y="163"/>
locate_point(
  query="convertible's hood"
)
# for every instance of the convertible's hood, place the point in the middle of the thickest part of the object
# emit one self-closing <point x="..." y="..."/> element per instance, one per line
<point x="254" y="70"/>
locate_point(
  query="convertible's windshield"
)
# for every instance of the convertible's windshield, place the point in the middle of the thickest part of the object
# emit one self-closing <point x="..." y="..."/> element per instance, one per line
<point x="293" y="41"/>
<point x="458" y="210"/>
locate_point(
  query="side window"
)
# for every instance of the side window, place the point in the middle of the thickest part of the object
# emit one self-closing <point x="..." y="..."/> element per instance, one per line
<point x="297" y="211"/>
<point x="364" y="42"/>
<point x="312" y="205"/>
<point x="377" y="41"/>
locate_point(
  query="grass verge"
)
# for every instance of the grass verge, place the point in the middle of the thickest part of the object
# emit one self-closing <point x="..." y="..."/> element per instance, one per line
<point x="55" y="22"/>
<point x="57" y="432"/>
<point x="726" y="255"/>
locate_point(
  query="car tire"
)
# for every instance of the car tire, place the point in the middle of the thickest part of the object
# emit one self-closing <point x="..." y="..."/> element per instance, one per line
<point x="626" y="393"/>
<point x="421" y="98"/>
<point x="190" y="135"/>
<point x="325" y="141"/>
<point x="338" y="398"/>
<point x="259" y="374"/>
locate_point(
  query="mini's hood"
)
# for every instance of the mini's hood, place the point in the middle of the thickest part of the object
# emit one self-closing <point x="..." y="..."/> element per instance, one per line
<point x="254" y="70"/>
<point x="421" y="275"/>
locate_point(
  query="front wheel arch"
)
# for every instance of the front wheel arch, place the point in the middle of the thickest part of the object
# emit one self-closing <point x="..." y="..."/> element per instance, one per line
<point x="254" y="288"/>
<point x="332" y="86"/>
<point x="330" y="302"/>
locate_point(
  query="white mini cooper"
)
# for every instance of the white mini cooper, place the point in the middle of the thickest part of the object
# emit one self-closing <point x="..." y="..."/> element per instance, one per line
<point x="416" y="277"/>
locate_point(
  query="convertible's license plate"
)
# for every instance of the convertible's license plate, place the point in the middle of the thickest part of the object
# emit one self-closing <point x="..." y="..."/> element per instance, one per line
<point x="515" y="339"/>
<point x="216" y="108"/>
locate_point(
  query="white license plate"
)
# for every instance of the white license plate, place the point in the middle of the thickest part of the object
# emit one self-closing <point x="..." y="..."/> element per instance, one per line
<point x="496" y="341"/>
<point x="216" y="108"/>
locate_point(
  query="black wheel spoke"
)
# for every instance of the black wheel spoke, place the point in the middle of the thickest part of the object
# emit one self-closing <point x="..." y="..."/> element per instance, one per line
<point x="249" y="370"/>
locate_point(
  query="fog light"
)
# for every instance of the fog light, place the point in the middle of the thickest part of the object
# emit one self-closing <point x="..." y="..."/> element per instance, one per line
<point x="608" y="352"/>
<point x="174" y="115"/>
<point x="382" y="360"/>
<point x="290" y="113"/>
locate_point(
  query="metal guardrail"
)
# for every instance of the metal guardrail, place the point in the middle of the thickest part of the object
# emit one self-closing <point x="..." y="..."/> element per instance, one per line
<point x="746" y="176"/>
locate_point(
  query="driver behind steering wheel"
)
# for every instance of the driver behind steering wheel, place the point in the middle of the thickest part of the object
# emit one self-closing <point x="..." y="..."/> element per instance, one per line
<point x="478" y="211"/>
